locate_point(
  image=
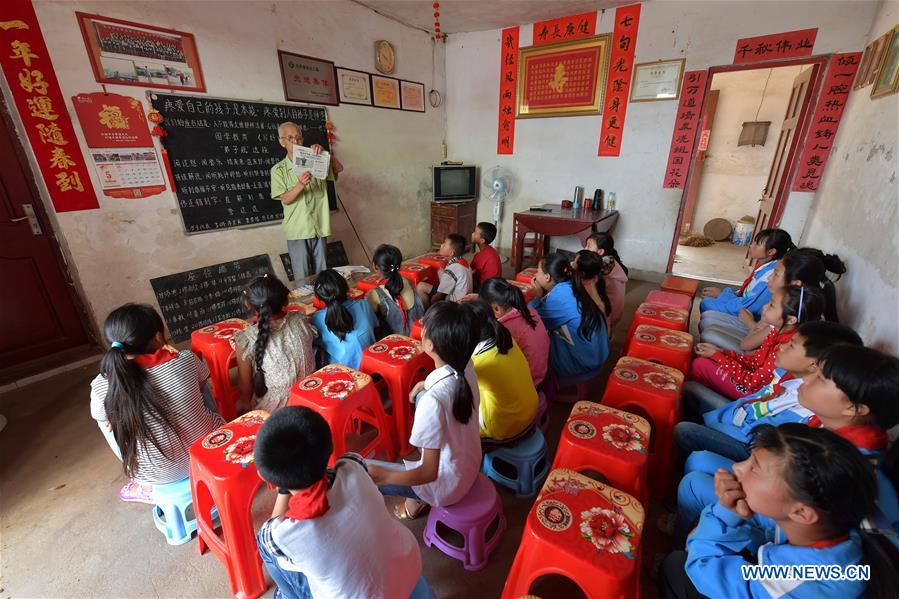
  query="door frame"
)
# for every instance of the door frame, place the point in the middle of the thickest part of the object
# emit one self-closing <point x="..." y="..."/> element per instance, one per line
<point x="815" y="85"/>
<point x="40" y="210"/>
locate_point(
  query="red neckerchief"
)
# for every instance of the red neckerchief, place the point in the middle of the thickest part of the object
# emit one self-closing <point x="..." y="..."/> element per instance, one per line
<point x="748" y="279"/>
<point x="309" y="503"/>
<point x="460" y="260"/>
<point x="160" y="356"/>
<point x="825" y="543"/>
<point x="814" y="422"/>
<point x="865" y="436"/>
<point x="271" y="318"/>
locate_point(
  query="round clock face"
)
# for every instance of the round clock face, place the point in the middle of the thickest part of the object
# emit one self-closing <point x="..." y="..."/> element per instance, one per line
<point x="385" y="57"/>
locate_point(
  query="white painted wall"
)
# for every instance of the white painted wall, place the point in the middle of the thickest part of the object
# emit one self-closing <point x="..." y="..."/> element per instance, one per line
<point x="733" y="176"/>
<point x="552" y="155"/>
<point x="855" y="212"/>
<point x="115" y="250"/>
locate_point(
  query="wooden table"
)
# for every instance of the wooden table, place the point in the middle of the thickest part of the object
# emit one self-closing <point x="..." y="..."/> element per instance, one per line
<point x="558" y="222"/>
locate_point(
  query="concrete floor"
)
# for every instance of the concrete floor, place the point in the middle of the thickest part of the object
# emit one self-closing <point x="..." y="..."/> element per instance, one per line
<point x="720" y="263"/>
<point x="64" y="532"/>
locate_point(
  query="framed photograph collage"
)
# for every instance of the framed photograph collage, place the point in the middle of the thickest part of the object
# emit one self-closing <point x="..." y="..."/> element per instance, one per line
<point x="380" y="91"/>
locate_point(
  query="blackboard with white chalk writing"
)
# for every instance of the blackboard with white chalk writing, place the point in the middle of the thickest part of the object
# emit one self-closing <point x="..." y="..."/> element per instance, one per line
<point x="221" y="151"/>
<point x="196" y="298"/>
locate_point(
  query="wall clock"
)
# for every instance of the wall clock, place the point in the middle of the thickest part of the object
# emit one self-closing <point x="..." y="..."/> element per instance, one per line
<point x="385" y="57"/>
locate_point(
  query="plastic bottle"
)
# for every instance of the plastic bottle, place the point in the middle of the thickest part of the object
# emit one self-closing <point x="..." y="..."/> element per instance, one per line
<point x="611" y="202"/>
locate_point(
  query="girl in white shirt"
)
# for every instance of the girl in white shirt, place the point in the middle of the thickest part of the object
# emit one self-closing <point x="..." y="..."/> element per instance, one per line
<point x="446" y="424"/>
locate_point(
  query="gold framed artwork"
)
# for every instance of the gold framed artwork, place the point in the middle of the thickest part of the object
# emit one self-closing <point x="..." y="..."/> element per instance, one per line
<point x="563" y="79"/>
<point x="877" y="49"/>
<point x="864" y="66"/>
<point x="887" y="81"/>
<point x="385" y="92"/>
<point x="660" y="80"/>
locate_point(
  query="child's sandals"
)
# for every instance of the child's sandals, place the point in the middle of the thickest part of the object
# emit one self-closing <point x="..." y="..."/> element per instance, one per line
<point x="403" y="512"/>
<point x="138" y="493"/>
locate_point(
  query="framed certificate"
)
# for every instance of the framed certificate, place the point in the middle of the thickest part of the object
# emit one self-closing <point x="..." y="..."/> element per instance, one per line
<point x="353" y="87"/>
<point x="658" y="80"/>
<point x="307" y="79"/>
<point x="413" y="96"/>
<point x="385" y="92"/>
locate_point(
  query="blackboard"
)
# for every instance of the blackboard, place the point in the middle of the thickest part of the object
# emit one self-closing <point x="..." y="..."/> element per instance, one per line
<point x="196" y="298"/>
<point x="221" y="152"/>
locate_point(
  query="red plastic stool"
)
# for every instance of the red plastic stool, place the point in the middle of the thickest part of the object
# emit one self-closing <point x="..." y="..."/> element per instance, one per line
<point x="342" y="395"/>
<point x="670" y="299"/>
<point x="370" y="282"/>
<point x="608" y="441"/>
<point x="666" y="317"/>
<point x="654" y="391"/>
<point x="416" y="273"/>
<point x="584" y="530"/>
<point x="434" y="260"/>
<point x="215" y="345"/>
<point x="401" y="363"/>
<point x="526" y="275"/>
<point x="526" y="289"/>
<point x="417" y="328"/>
<point x="222" y="474"/>
<point x="297" y="306"/>
<point x="680" y="285"/>
<point x="664" y="346"/>
<point x="354" y="293"/>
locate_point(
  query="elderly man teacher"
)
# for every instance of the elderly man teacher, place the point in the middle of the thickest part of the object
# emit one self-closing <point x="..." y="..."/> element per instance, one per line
<point x="307" y="220"/>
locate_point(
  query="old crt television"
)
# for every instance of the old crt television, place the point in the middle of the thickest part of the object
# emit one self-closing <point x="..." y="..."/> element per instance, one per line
<point x="455" y="183"/>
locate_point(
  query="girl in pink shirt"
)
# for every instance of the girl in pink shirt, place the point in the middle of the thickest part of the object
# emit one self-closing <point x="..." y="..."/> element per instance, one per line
<point x="522" y="321"/>
<point x="615" y="275"/>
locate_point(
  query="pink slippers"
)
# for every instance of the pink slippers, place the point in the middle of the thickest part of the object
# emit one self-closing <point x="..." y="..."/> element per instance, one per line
<point x="136" y="492"/>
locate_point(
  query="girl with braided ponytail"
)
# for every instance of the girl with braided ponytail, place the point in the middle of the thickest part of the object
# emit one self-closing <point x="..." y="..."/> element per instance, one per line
<point x="579" y="341"/>
<point x="274" y="351"/>
<point x="345" y="327"/>
<point x="614" y="273"/>
<point x="150" y="401"/>
<point x="799" y="500"/>
<point x="394" y="300"/>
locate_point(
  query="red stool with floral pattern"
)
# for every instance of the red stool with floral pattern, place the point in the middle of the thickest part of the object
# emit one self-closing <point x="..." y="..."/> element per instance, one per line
<point x="417" y="328"/>
<point x="215" y="345"/>
<point x="583" y="530"/>
<point x="344" y="396"/>
<point x="526" y="289"/>
<point x="434" y="260"/>
<point x="526" y="275"/>
<point x="670" y="299"/>
<point x="608" y="441"/>
<point x="223" y="475"/>
<point x="658" y="315"/>
<point x="400" y="361"/>
<point x="654" y="391"/>
<point x="368" y="283"/>
<point x="416" y="273"/>
<point x="680" y="285"/>
<point x="354" y="293"/>
<point x="664" y="346"/>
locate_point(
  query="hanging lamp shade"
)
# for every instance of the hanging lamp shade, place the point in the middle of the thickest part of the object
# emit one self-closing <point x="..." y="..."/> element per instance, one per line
<point x="754" y="133"/>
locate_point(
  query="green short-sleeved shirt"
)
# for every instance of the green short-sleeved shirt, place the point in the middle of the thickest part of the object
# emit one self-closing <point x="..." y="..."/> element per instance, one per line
<point x="308" y="216"/>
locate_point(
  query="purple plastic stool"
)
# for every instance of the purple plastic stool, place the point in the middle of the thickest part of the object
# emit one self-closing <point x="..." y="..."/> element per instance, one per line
<point x="478" y="513"/>
<point x="542" y="420"/>
<point x="668" y="298"/>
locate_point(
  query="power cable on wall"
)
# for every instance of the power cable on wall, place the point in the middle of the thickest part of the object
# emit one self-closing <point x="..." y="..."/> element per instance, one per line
<point x="353" y="226"/>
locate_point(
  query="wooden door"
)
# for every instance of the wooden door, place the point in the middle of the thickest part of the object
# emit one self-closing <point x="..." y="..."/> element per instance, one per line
<point x="710" y="105"/>
<point x="773" y="195"/>
<point x="37" y="313"/>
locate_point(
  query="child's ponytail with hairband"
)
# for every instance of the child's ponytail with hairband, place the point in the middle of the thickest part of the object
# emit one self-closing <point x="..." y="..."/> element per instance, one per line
<point x="453" y="331"/>
<point x="388" y="260"/>
<point x="806" y="304"/>
<point x="810" y="266"/>
<point x="331" y="288"/>
<point x="559" y="268"/>
<point x="267" y="296"/>
<point x="504" y="294"/>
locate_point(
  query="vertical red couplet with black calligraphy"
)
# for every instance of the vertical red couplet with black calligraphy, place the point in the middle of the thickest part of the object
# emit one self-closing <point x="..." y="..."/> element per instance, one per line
<point x="574" y="27"/>
<point x="790" y="44"/>
<point x="508" y="76"/>
<point x="685" y="129"/>
<point x="35" y="89"/>
<point x="618" y="85"/>
<point x="826" y="120"/>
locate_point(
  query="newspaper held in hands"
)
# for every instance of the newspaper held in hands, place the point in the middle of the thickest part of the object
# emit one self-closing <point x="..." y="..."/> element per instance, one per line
<point x="304" y="160"/>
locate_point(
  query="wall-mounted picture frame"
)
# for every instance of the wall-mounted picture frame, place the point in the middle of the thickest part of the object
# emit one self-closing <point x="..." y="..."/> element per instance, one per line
<point x="657" y="81"/>
<point x="353" y="87"/>
<point x="876" y="56"/>
<point x="864" y="66"/>
<point x="887" y="81"/>
<point x="308" y="79"/>
<point x="385" y="92"/>
<point x="412" y="96"/>
<point x="128" y="53"/>
<point x="563" y="79"/>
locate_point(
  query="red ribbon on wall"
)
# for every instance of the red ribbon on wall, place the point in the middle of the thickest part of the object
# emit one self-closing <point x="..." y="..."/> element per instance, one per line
<point x="826" y="120"/>
<point x="789" y="44"/>
<point x="508" y="77"/>
<point x="618" y="84"/>
<point x="685" y="129"/>
<point x="565" y="29"/>
<point x="35" y="89"/>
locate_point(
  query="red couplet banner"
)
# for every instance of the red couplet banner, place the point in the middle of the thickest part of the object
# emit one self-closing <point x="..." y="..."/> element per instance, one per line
<point x="618" y="85"/>
<point x="790" y="44"/>
<point x="565" y="29"/>
<point x="508" y="78"/>
<point x="35" y="89"/>
<point x="685" y="128"/>
<point x="826" y="120"/>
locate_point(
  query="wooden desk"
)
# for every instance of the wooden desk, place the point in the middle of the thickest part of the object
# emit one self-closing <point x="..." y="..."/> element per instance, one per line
<point x="558" y="222"/>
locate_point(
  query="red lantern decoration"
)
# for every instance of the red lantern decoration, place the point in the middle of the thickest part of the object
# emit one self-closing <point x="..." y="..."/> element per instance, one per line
<point x="159" y="131"/>
<point x="154" y="116"/>
<point x="437" y="34"/>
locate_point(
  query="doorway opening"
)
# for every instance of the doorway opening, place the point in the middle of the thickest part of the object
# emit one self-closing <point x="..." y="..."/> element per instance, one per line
<point x="752" y="120"/>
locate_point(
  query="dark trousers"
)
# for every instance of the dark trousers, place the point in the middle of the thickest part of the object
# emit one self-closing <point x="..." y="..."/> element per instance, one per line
<point x="673" y="580"/>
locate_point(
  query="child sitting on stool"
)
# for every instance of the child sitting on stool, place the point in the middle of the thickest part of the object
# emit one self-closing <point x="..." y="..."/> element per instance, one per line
<point x="455" y="278"/>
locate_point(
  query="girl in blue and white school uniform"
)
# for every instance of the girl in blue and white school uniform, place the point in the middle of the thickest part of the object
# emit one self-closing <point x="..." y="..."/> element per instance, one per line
<point x="768" y="247"/>
<point x="578" y="339"/>
<point x="345" y="327"/>
<point x="787" y="505"/>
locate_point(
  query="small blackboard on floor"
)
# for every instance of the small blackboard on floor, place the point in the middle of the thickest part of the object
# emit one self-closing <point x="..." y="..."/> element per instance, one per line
<point x="336" y="256"/>
<point x="196" y="298"/>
